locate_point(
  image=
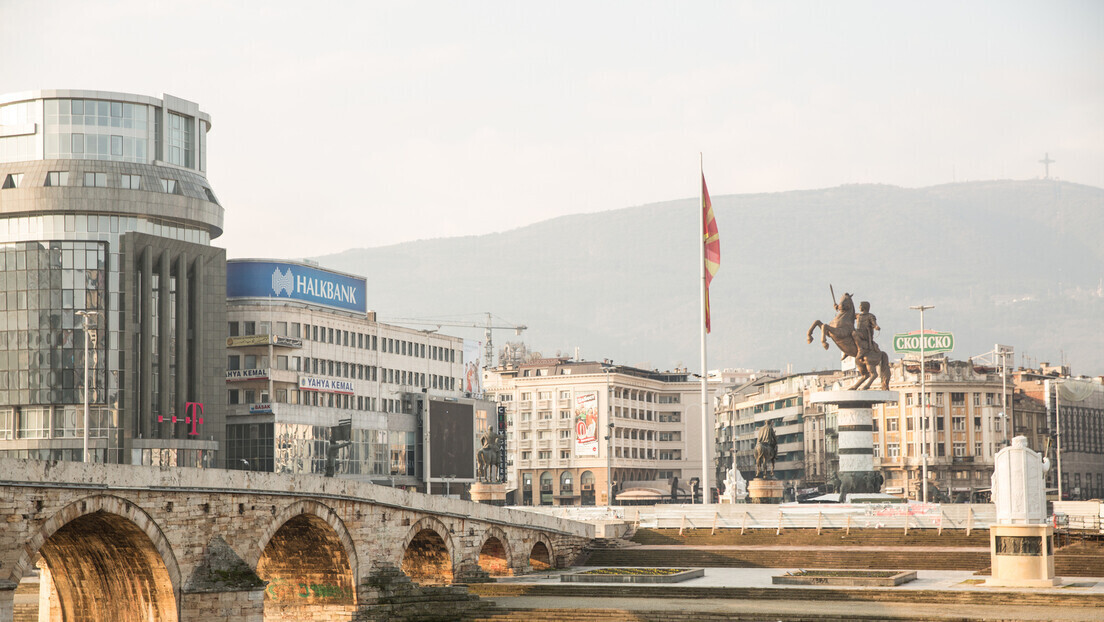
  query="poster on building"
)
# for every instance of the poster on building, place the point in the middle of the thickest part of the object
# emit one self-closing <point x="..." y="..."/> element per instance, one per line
<point x="473" y="367"/>
<point x="586" y="424"/>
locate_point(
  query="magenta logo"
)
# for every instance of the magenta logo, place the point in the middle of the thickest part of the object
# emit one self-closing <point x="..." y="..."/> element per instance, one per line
<point x="194" y="412"/>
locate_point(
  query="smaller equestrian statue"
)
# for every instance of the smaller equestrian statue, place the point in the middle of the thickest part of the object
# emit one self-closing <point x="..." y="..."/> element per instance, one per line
<point x="488" y="457"/>
<point x="854" y="336"/>
<point x="766" y="450"/>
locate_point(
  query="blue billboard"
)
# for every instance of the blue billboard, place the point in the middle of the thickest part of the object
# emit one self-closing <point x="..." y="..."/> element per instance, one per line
<point x="276" y="279"/>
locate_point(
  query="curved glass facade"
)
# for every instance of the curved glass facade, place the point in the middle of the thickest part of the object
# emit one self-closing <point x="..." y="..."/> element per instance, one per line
<point x="105" y="209"/>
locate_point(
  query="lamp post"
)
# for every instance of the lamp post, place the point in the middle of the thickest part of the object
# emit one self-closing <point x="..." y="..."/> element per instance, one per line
<point x="85" y="315"/>
<point x="609" y="442"/>
<point x="923" y="407"/>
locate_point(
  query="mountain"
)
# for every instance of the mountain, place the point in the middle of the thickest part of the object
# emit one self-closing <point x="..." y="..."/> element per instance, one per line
<point x="1019" y="263"/>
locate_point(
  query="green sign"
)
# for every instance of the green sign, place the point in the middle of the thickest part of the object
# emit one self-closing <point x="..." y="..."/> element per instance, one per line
<point x="933" y="342"/>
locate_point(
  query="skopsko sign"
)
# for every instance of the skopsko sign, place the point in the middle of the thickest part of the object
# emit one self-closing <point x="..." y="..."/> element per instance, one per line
<point x="933" y="342"/>
<point x="270" y="279"/>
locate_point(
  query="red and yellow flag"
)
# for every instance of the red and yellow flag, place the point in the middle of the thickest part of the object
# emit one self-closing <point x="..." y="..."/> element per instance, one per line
<point x="711" y="246"/>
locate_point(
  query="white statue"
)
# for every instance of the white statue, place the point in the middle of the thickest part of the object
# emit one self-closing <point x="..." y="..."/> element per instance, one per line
<point x="735" y="486"/>
<point x="1019" y="485"/>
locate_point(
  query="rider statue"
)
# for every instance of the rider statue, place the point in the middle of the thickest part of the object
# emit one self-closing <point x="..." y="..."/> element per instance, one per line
<point x="865" y="325"/>
<point x="488" y="456"/>
<point x="766" y="450"/>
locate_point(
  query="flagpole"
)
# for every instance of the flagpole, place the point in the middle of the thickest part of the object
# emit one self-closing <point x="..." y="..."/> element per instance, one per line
<point x="706" y="496"/>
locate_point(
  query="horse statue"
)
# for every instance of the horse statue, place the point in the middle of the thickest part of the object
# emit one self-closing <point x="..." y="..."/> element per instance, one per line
<point x="487" y="459"/>
<point x="870" y="360"/>
<point x="766" y="450"/>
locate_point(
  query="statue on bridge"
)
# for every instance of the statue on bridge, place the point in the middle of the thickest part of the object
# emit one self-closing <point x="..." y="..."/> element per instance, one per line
<point x="854" y="336"/>
<point x="488" y="457"/>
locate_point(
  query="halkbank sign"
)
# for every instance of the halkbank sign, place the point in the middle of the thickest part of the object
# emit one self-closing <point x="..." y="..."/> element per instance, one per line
<point x="247" y="278"/>
<point x="932" y="340"/>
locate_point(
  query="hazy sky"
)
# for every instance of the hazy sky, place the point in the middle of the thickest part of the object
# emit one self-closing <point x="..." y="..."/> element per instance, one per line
<point x="350" y="124"/>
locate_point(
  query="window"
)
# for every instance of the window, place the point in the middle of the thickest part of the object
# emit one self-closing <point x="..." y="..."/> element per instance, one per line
<point x="958" y="423"/>
<point x="116" y="145"/>
<point x="874" y="424"/>
<point x="891" y="424"/>
<point x="130" y="182"/>
<point x="565" y="414"/>
<point x="565" y="454"/>
<point x="57" y="178"/>
<point x="95" y="180"/>
<point x="544" y="395"/>
<point x="977" y="448"/>
<point x="958" y="399"/>
<point x="170" y="186"/>
<point x="233" y="361"/>
<point x="565" y="433"/>
<point x="977" y="399"/>
<point x="908" y="399"/>
<point x="526" y="455"/>
<point x="250" y="328"/>
<point x="13" y="180"/>
<point x="877" y="450"/>
<point x="893" y="450"/>
<point x="525" y="397"/>
<point x="959" y="450"/>
<point x="544" y="414"/>
<point x="545" y="455"/>
<point x="565" y="395"/>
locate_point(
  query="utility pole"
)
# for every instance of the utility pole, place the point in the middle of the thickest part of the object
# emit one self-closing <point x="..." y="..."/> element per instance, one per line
<point x="923" y="406"/>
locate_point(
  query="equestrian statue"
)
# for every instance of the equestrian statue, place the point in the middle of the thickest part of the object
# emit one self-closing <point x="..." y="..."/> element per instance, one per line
<point x="854" y="336"/>
<point x="488" y="457"/>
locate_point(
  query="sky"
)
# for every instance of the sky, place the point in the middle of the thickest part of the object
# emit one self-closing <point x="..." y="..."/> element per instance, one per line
<point x="340" y="125"/>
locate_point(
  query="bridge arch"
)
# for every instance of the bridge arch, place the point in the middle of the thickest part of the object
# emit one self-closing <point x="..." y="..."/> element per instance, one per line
<point x="428" y="553"/>
<point x="495" y="552"/>
<point x="310" y="562"/>
<point x="541" y="554"/>
<point x="105" y="532"/>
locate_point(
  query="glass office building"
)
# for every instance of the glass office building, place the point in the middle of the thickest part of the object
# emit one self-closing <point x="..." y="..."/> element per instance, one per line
<point x="106" y="213"/>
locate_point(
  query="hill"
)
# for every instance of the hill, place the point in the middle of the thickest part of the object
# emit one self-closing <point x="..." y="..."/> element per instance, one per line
<point x="1012" y="262"/>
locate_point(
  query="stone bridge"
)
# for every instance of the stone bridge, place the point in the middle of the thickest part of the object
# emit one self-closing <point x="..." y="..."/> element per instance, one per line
<point x="132" y="543"/>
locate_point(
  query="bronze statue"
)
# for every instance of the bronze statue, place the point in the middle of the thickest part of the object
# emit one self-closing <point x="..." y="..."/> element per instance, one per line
<point x="766" y="450"/>
<point x="854" y="336"/>
<point x="488" y="457"/>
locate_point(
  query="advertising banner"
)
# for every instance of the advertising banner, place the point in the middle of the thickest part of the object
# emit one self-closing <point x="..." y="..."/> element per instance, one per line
<point x="260" y="409"/>
<point x="326" y="385"/>
<point x="586" y="424"/>
<point x="449" y="429"/>
<point x="473" y="367"/>
<point x="273" y="279"/>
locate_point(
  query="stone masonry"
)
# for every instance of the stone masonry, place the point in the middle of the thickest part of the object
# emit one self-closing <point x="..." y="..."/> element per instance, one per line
<point x="205" y="544"/>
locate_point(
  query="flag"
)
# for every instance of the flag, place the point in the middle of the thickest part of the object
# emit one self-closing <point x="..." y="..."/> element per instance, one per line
<point x="711" y="246"/>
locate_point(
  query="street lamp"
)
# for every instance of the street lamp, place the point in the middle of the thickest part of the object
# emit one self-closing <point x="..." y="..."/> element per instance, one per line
<point x="923" y="407"/>
<point x="85" y="315"/>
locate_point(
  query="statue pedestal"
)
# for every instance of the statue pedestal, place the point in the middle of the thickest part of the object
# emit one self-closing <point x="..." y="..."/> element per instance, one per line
<point x="1021" y="556"/>
<point x="765" y="491"/>
<point x="490" y="494"/>
<point x="854" y="420"/>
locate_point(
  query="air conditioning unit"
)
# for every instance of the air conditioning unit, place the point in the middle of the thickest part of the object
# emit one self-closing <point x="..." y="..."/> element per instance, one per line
<point x="588" y="486"/>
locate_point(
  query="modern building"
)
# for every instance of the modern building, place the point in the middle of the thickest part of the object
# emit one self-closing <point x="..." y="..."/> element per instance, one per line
<point x="799" y="426"/>
<point x="305" y="355"/>
<point x="1072" y="418"/>
<point x="579" y="429"/>
<point x="105" y="211"/>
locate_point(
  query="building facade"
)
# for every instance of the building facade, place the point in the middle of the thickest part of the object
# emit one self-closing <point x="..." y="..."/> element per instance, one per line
<point x="965" y="427"/>
<point x="304" y="355"/>
<point x="106" y="213"/>
<point x="1068" y="411"/>
<point x="578" y="429"/>
<point x="803" y="453"/>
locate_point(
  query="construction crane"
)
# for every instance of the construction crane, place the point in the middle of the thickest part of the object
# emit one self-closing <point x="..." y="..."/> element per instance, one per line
<point x="488" y="345"/>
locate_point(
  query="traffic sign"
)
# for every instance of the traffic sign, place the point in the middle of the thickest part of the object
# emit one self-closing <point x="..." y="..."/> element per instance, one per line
<point x="933" y="342"/>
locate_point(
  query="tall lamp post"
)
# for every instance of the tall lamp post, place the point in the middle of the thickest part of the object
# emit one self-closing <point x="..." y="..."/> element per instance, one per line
<point x="923" y="407"/>
<point x="85" y="317"/>
<point x="609" y="442"/>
